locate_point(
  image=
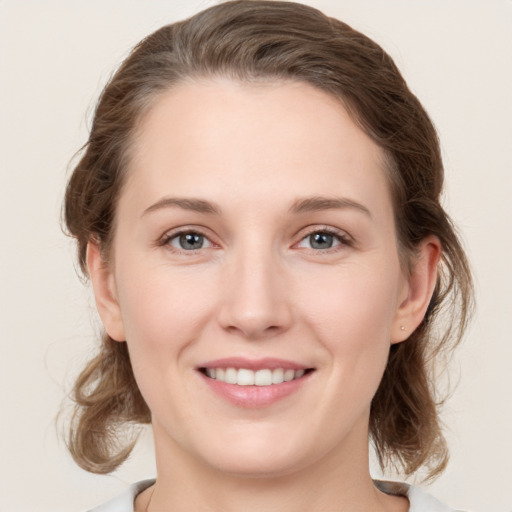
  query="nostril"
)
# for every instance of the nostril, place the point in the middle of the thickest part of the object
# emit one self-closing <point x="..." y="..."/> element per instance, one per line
<point x="253" y="329"/>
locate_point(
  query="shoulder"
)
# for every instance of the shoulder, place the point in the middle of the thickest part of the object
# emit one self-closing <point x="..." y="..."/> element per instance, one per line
<point x="124" y="502"/>
<point x="420" y="501"/>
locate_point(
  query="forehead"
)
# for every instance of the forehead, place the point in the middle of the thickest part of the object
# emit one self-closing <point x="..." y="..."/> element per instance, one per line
<point x="261" y="141"/>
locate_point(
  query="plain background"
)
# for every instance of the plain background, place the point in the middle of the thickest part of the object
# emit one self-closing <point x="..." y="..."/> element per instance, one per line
<point x="54" y="58"/>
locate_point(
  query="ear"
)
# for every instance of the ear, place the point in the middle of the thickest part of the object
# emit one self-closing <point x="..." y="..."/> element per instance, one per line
<point x="418" y="290"/>
<point x="103" y="284"/>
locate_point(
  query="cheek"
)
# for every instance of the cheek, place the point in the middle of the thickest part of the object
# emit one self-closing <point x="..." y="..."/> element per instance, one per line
<point x="352" y="315"/>
<point x="163" y="312"/>
<point x="354" y="302"/>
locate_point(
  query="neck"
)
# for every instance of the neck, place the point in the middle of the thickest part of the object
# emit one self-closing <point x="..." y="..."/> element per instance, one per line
<point x="340" y="484"/>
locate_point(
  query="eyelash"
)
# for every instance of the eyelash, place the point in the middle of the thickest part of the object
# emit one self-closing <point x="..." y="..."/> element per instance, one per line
<point x="169" y="237"/>
<point x="341" y="237"/>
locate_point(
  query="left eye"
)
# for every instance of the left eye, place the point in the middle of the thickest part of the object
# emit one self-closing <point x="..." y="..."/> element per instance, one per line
<point x="320" y="240"/>
<point x="189" y="241"/>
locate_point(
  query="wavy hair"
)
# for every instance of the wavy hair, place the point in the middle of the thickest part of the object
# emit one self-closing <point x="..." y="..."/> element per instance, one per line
<point x="259" y="40"/>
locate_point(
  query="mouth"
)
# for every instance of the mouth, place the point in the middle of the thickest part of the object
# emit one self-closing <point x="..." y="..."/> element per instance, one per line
<point x="254" y="383"/>
<point x="250" y="377"/>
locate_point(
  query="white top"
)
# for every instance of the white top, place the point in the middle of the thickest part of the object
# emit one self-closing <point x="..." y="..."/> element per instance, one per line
<point x="419" y="500"/>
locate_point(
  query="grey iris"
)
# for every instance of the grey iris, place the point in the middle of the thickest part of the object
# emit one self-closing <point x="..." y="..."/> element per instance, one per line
<point x="191" y="241"/>
<point x="321" y="240"/>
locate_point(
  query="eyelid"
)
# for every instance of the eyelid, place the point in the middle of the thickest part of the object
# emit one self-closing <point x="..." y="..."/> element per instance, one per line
<point x="169" y="235"/>
<point x="345" y="240"/>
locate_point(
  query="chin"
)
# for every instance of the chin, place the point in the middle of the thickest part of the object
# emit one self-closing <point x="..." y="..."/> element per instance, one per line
<point x="267" y="465"/>
<point x="258" y="455"/>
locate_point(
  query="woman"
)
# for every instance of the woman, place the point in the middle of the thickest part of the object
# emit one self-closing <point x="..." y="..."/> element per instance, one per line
<point x="258" y="210"/>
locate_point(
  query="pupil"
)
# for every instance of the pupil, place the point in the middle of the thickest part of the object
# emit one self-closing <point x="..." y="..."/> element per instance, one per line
<point x="321" y="240"/>
<point x="191" y="241"/>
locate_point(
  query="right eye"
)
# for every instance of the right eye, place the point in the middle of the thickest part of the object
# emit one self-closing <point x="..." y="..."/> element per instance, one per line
<point x="188" y="241"/>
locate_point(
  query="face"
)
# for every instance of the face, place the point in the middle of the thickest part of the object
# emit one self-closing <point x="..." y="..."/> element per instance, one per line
<point x="255" y="276"/>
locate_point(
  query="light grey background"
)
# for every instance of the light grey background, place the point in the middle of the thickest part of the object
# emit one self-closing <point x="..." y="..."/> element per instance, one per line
<point x="54" y="58"/>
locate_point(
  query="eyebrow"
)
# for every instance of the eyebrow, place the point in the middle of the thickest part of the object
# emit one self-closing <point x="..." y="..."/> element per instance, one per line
<point x="319" y="203"/>
<point x="195" y="205"/>
<point x="306" y="205"/>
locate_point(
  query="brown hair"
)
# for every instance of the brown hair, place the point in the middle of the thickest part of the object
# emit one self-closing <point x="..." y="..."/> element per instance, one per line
<point x="251" y="40"/>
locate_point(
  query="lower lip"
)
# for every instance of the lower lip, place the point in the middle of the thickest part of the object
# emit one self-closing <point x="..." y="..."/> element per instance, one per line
<point x="255" y="396"/>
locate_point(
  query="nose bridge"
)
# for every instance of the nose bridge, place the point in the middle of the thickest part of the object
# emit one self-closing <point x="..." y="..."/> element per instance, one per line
<point x="255" y="297"/>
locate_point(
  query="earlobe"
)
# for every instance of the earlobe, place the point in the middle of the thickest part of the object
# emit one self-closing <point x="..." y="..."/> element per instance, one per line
<point x="105" y="294"/>
<point x="420" y="286"/>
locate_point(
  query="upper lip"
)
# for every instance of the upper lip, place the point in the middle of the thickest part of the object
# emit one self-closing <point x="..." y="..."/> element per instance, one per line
<point x="254" y="364"/>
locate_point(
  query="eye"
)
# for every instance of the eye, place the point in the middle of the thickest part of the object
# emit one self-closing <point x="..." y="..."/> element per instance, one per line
<point x="323" y="240"/>
<point x="188" y="241"/>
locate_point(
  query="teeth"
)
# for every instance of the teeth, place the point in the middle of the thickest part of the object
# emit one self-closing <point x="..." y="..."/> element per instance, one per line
<point x="245" y="377"/>
<point x="288" y="375"/>
<point x="278" y="376"/>
<point x="263" y="378"/>
<point x="231" y="376"/>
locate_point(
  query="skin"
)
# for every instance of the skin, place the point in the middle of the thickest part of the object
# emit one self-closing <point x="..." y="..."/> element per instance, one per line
<point x="258" y="288"/>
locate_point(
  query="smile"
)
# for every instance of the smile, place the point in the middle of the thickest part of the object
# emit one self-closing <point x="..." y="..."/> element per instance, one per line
<point x="254" y="383"/>
<point x="247" y="377"/>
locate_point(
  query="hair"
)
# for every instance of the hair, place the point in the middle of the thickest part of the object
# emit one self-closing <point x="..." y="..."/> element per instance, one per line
<point x="258" y="40"/>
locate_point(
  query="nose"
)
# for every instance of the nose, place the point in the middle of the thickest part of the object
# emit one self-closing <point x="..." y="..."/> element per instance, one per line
<point x="255" y="299"/>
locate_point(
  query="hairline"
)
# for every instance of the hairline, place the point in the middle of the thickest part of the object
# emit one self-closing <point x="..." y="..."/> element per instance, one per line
<point x="148" y="100"/>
